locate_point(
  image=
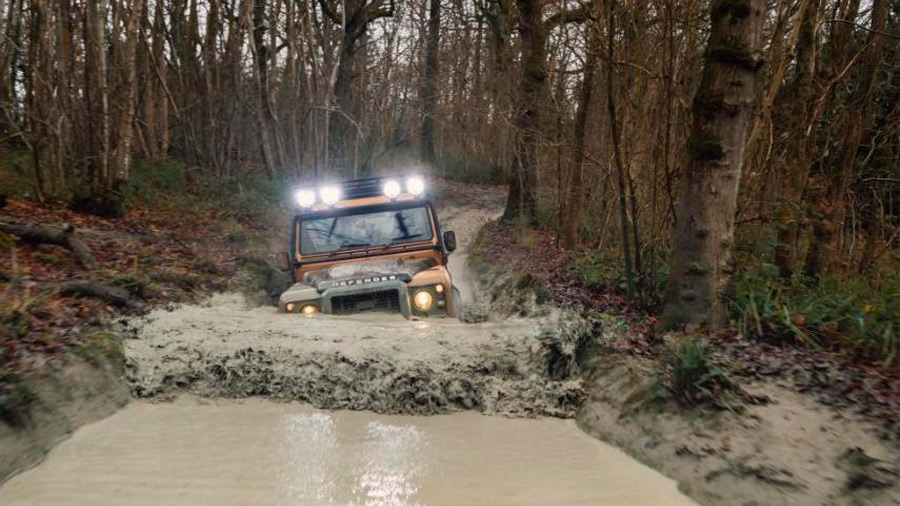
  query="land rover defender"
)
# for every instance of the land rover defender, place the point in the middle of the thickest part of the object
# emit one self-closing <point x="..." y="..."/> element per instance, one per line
<point x="371" y="244"/>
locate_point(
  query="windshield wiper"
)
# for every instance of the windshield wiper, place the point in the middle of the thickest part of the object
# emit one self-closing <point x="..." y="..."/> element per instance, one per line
<point x="353" y="245"/>
<point x="349" y="245"/>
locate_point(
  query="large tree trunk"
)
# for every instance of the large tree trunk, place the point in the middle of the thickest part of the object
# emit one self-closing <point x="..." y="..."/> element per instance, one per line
<point x="432" y="79"/>
<point x="701" y="259"/>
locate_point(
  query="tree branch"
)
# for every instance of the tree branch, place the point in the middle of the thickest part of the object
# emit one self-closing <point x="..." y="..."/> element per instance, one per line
<point x="576" y="15"/>
<point x="329" y="11"/>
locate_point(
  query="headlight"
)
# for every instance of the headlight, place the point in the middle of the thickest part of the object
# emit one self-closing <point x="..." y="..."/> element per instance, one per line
<point x="415" y="185"/>
<point x="423" y="301"/>
<point x="305" y="198"/>
<point x="391" y="188"/>
<point x="330" y="194"/>
<point x="309" y="309"/>
<point x="289" y="307"/>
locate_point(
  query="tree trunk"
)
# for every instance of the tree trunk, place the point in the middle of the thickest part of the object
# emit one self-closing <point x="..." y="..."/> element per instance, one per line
<point x="432" y="80"/>
<point x="261" y="77"/>
<point x="624" y="222"/>
<point x="793" y="113"/>
<point x="98" y="94"/>
<point x="126" y="119"/>
<point x="830" y="206"/>
<point x="701" y="259"/>
<point x="574" y="194"/>
<point x="521" y="201"/>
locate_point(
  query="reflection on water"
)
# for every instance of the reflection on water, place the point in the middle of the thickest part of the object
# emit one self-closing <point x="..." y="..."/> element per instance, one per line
<point x="195" y="452"/>
<point x="392" y="466"/>
<point x="306" y="475"/>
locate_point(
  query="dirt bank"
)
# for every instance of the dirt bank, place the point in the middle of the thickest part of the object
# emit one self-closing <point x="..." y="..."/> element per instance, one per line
<point x="789" y="451"/>
<point x="67" y="392"/>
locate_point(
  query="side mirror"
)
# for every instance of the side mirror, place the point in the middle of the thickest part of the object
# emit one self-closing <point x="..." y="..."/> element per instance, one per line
<point x="283" y="261"/>
<point x="450" y="240"/>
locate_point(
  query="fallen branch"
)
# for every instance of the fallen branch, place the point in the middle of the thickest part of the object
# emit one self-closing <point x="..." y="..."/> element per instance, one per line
<point x="112" y="294"/>
<point x="65" y="237"/>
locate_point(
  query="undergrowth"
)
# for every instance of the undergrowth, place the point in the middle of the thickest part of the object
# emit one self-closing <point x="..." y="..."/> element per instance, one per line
<point x="857" y="315"/>
<point x="695" y="378"/>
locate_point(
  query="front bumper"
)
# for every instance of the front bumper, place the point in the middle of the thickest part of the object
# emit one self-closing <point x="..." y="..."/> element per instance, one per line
<point x="392" y="296"/>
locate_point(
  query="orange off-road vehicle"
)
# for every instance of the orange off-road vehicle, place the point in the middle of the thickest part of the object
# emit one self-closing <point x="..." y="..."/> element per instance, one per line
<point x="370" y="244"/>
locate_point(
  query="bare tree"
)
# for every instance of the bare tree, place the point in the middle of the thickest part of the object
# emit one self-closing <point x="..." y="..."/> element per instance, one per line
<point x="432" y="79"/>
<point x="701" y="257"/>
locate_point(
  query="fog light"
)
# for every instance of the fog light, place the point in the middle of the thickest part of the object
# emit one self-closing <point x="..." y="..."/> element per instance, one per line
<point x="289" y="307"/>
<point x="415" y="185"/>
<point x="309" y="309"/>
<point x="423" y="301"/>
<point x="439" y="288"/>
<point x="330" y="194"/>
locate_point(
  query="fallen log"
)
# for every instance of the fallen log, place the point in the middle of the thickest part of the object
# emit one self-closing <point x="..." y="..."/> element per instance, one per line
<point x="65" y="237"/>
<point x="114" y="295"/>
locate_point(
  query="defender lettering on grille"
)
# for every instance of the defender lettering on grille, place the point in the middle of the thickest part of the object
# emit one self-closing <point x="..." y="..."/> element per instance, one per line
<point x="363" y="281"/>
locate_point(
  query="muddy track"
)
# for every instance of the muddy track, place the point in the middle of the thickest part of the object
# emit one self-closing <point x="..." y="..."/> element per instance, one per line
<point x="383" y="363"/>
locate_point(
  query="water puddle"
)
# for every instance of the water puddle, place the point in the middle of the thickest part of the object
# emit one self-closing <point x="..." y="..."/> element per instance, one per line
<point x="255" y="452"/>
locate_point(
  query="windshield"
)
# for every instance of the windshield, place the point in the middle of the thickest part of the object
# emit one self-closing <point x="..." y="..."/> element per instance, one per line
<point x="384" y="228"/>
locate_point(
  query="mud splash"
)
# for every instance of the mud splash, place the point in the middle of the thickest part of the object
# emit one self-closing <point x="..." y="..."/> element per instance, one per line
<point x="377" y="362"/>
<point x="199" y="452"/>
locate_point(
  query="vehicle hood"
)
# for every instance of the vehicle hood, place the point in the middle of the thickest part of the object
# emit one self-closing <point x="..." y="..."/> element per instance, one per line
<point x="365" y="272"/>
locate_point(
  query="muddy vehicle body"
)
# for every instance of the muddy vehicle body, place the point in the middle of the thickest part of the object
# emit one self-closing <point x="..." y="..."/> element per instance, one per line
<point x="367" y="245"/>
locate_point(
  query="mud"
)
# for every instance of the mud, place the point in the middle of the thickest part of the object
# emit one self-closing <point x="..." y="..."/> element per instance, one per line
<point x="791" y="451"/>
<point x="384" y="363"/>
<point x="73" y="389"/>
<point x="377" y="362"/>
<point x="201" y="452"/>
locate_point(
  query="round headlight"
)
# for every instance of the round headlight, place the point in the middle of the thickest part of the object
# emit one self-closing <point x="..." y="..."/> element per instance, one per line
<point x="415" y="185"/>
<point x="330" y="194"/>
<point x="423" y="300"/>
<point x="309" y="309"/>
<point x="391" y="188"/>
<point x="439" y="288"/>
<point x="289" y="307"/>
<point x="305" y="198"/>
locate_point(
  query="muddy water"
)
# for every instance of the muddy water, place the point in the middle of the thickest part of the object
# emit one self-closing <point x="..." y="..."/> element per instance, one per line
<point x="254" y="452"/>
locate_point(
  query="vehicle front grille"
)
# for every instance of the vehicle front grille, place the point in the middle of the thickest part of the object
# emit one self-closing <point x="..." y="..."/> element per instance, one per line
<point x="385" y="301"/>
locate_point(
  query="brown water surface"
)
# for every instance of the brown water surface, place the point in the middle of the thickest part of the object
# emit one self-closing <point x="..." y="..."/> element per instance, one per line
<point x="255" y="452"/>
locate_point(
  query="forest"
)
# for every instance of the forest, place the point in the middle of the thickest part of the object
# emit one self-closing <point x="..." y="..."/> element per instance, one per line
<point x="722" y="163"/>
